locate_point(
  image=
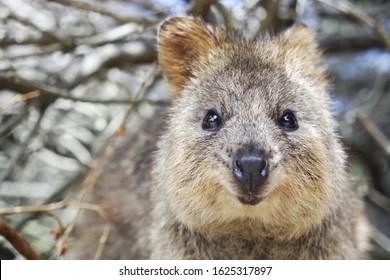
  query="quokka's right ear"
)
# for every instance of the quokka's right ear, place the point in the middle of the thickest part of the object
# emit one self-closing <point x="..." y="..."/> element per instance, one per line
<point x="182" y="43"/>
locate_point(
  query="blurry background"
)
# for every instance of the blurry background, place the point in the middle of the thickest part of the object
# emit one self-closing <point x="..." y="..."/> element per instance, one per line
<point x="72" y="71"/>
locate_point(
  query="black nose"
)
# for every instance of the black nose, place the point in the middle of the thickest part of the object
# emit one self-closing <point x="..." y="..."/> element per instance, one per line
<point x="250" y="168"/>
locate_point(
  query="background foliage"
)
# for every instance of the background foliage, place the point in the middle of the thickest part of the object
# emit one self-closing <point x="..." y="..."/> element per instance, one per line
<point x="73" y="72"/>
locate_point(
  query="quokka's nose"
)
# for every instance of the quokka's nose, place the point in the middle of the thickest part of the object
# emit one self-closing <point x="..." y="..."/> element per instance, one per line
<point x="250" y="168"/>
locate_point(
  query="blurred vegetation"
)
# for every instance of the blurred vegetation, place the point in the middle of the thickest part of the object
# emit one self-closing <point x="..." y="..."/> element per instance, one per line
<point x="73" y="72"/>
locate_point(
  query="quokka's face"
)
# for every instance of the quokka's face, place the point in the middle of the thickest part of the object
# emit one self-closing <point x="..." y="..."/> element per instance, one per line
<point x="250" y="129"/>
<point x="249" y="121"/>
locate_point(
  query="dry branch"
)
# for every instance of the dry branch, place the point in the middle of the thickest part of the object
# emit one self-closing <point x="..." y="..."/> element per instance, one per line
<point x="7" y="126"/>
<point x="379" y="199"/>
<point x="14" y="162"/>
<point x="273" y="7"/>
<point x="19" y="98"/>
<point x="349" y="9"/>
<point x="17" y="241"/>
<point x="90" y="180"/>
<point x="121" y="37"/>
<point x="374" y="132"/>
<point x="12" y="82"/>
<point x="200" y="8"/>
<point x="227" y="17"/>
<point x="90" y="8"/>
<point x="87" y="184"/>
<point x="341" y="44"/>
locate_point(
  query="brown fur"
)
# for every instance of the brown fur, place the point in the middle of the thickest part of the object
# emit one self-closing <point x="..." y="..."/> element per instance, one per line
<point x="189" y="207"/>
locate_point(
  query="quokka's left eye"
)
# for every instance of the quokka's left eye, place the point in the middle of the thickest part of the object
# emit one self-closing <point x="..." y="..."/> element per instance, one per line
<point x="212" y="121"/>
<point x="288" y="122"/>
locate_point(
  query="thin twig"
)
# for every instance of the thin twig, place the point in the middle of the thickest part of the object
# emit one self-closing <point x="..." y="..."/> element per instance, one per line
<point x="17" y="242"/>
<point x="347" y="8"/>
<point x="379" y="199"/>
<point x="86" y="186"/>
<point x="116" y="34"/>
<point x="378" y="90"/>
<point x="138" y="95"/>
<point x="7" y="126"/>
<point x="22" y="146"/>
<point x="102" y="241"/>
<point x="27" y="22"/>
<point x="106" y="230"/>
<point x="56" y="196"/>
<point x="48" y="37"/>
<point x="13" y="82"/>
<point x="374" y="132"/>
<point x="35" y="209"/>
<point x="226" y="15"/>
<point x="90" y="179"/>
<point x="19" y="98"/>
<point x="200" y="8"/>
<point x="90" y="8"/>
<point x="271" y="14"/>
<point x="381" y="239"/>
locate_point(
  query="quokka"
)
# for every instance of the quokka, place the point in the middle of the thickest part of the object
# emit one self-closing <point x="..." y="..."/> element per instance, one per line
<point x="244" y="164"/>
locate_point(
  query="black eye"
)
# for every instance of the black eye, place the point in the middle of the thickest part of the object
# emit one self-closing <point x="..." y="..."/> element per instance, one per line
<point x="288" y="121"/>
<point x="212" y="121"/>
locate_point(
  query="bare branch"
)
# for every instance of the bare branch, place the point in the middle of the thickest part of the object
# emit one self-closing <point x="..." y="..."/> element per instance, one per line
<point x="374" y="132"/>
<point x="225" y="15"/>
<point x="349" y="9"/>
<point x="379" y="199"/>
<point x="19" y="98"/>
<point x="18" y="84"/>
<point x="17" y="241"/>
<point x="27" y="22"/>
<point x="339" y="44"/>
<point x="9" y="124"/>
<point x="13" y="163"/>
<point x="271" y="15"/>
<point x="48" y="37"/>
<point x="381" y="239"/>
<point x="90" y="8"/>
<point x="89" y="181"/>
<point x="106" y="230"/>
<point x="113" y="35"/>
<point x="200" y="8"/>
<point x="102" y="241"/>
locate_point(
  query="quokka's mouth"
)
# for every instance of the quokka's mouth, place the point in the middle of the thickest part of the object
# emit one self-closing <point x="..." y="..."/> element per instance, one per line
<point x="249" y="199"/>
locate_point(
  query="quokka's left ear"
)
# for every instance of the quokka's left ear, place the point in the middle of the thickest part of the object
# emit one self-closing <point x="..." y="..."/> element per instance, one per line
<point x="299" y="35"/>
<point x="182" y="42"/>
<point x="302" y="53"/>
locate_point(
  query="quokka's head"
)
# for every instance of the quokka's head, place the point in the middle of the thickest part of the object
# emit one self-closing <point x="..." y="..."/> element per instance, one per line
<point x="249" y="133"/>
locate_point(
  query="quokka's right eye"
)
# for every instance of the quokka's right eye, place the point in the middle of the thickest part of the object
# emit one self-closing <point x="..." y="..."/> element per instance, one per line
<point x="212" y="121"/>
<point x="288" y="122"/>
